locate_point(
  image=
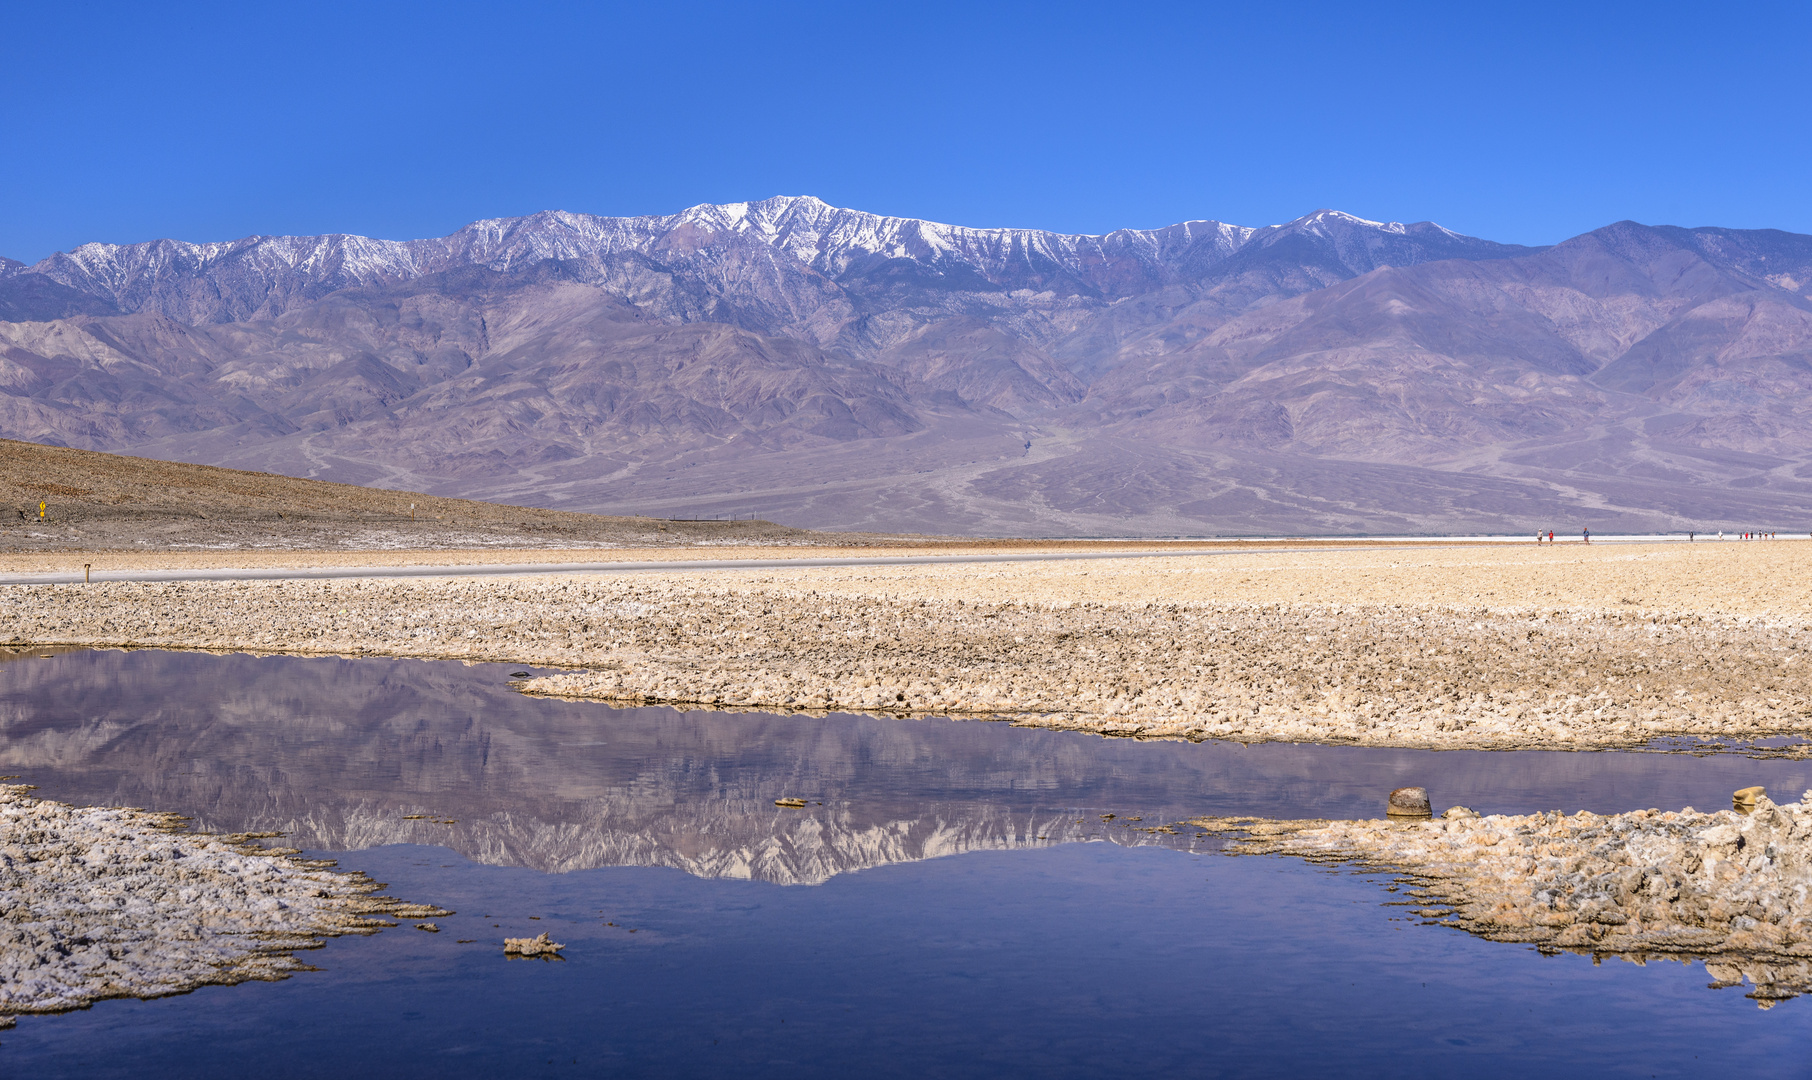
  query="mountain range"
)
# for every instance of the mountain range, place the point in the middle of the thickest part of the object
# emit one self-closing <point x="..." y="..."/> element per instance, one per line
<point x="832" y="368"/>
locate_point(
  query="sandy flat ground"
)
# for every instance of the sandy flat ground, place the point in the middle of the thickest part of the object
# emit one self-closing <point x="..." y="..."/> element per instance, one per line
<point x="239" y="559"/>
<point x="1731" y="578"/>
<point x="1483" y="646"/>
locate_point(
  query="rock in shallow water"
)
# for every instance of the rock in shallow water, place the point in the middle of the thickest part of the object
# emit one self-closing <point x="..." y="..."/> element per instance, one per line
<point x="1408" y="802"/>
<point x="539" y="945"/>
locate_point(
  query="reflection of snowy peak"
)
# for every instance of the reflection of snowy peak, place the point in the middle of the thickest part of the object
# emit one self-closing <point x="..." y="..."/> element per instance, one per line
<point x="745" y="839"/>
<point x="345" y="755"/>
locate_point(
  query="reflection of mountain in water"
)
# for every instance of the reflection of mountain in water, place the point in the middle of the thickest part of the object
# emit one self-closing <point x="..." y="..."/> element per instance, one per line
<point x="337" y="752"/>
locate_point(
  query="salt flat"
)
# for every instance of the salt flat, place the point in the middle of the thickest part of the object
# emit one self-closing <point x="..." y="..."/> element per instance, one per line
<point x="1486" y="646"/>
<point x="1504" y="646"/>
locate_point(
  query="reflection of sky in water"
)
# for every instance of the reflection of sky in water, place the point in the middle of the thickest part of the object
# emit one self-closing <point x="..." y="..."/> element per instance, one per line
<point x="1077" y="959"/>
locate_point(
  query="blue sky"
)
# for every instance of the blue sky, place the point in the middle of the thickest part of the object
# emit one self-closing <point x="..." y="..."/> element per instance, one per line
<point x="1525" y="122"/>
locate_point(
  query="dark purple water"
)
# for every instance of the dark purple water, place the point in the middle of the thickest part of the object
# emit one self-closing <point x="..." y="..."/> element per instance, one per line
<point x="937" y="911"/>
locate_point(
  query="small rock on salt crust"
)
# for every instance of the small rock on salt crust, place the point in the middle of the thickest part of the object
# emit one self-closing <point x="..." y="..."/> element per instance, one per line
<point x="101" y="902"/>
<point x="1726" y="887"/>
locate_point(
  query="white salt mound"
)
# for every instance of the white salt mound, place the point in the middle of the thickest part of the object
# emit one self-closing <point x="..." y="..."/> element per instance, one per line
<point x="1726" y="887"/>
<point x="99" y="902"/>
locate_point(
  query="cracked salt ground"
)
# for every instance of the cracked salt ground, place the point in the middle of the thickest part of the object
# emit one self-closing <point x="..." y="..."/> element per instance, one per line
<point x="1502" y="650"/>
<point x="100" y="903"/>
<point x="1729" y="887"/>
<point x="1026" y="952"/>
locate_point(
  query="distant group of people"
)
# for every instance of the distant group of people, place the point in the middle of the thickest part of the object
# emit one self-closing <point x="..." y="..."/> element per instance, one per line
<point x="1585" y="535"/>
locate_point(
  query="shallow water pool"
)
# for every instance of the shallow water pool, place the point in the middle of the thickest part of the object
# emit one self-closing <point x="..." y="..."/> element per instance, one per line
<point x="942" y="906"/>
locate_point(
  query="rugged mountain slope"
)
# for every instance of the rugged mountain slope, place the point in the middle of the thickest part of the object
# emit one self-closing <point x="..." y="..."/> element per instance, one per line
<point x="534" y="348"/>
<point x="830" y="367"/>
<point x="1631" y="327"/>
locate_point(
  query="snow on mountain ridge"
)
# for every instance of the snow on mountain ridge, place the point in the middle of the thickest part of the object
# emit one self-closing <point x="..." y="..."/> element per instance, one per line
<point x="260" y="275"/>
<point x="830" y="239"/>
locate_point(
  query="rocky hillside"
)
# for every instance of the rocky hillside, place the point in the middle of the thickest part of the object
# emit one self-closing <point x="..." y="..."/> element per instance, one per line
<point x="835" y="368"/>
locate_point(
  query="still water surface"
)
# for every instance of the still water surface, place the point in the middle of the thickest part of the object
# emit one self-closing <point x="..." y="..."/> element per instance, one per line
<point x="939" y="909"/>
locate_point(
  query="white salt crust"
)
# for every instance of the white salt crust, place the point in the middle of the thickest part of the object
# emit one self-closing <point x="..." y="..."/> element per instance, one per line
<point x="1119" y="649"/>
<point x="101" y="902"/>
<point x="1725" y="887"/>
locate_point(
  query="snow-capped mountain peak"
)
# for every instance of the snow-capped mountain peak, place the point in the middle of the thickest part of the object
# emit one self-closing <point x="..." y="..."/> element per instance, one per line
<point x="262" y="275"/>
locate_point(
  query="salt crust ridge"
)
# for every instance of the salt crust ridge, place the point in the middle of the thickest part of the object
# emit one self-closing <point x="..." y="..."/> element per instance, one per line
<point x="1724" y="887"/>
<point x="104" y="902"/>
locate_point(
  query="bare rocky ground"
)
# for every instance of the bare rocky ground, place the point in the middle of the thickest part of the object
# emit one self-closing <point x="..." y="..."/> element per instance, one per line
<point x="1440" y="679"/>
<point x="105" y="902"/>
<point x="1725" y="887"/>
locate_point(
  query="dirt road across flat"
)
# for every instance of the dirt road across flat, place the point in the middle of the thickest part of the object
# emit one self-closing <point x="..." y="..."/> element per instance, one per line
<point x="1486" y="647"/>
